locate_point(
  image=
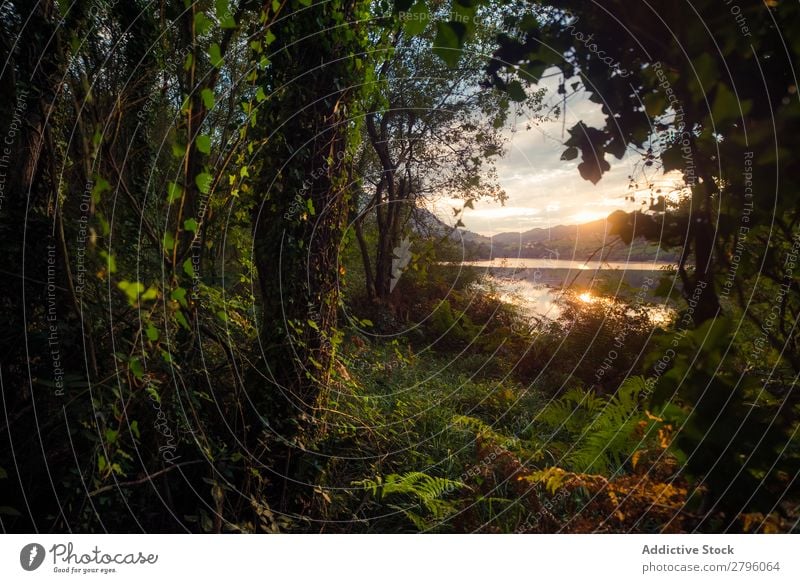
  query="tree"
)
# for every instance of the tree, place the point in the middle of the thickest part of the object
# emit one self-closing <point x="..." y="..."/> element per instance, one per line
<point x="309" y="126"/>
<point x="427" y="139"/>
<point x="431" y="134"/>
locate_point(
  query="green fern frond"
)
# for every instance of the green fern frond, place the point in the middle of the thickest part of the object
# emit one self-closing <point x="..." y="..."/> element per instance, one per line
<point x="602" y="429"/>
<point x="426" y="488"/>
<point x="425" y="491"/>
<point x="604" y="450"/>
<point x="480" y="428"/>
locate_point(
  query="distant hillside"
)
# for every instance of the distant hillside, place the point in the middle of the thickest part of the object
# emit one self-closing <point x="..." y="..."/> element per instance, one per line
<point x="563" y="241"/>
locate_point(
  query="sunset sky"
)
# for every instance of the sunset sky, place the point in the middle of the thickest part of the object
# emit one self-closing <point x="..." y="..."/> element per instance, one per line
<point x="542" y="189"/>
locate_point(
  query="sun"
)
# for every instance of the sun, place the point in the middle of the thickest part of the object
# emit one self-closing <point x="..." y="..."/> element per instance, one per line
<point x="587" y="216"/>
<point x="587" y="297"/>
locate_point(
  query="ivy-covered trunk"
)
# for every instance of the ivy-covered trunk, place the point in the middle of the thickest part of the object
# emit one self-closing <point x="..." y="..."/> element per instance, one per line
<point x="313" y="84"/>
<point x="34" y="301"/>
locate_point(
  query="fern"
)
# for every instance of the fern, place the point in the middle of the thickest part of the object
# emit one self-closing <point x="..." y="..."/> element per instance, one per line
<point x="602" y="429"/>
<point x="573" y="411"/>
<point x="484" y="430"/>
<point x="552" y="478"/>
<point x="424" y="491"/>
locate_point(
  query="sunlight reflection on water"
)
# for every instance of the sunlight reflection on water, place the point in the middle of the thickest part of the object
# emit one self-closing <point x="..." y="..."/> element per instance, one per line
<point x="539" y="300"/>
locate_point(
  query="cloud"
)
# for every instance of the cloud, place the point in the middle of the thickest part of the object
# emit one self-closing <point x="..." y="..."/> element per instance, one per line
<point x="544" y="190"/>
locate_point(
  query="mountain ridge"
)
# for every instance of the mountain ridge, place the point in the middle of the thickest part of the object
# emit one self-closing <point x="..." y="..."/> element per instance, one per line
<point x="579" y="241"/>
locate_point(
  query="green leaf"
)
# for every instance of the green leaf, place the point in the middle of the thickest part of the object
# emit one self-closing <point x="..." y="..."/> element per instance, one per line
<point x="111" y="263"/>
<point x="203" y="182"/>
<point x="446" y="45"/>
<point x="224" y="15"/>
<point x="726" y="106"/>
<point x="136" y="368"/>
<point x="188" y="268"/>
<point x="208" y="98"/>
<point x="150" y="294"/>
<point x="516" y="91"/>
<point x="463" y="13"/>
<point x="179" y="295"/>
<point x="174" y="192"/>
<point x="132" y="289"/>
<point x="190" y="225"/>
<point x="313" y="325"/>
<point x="215" y="54"/>
<point x="305" y="2"/>
<point x="182" y="319"/>
<point x="655" y="103"/>
<point x="152" y="333"/>
<point x="417" y="18"/>
<point x="100" y="186"/>
<point x="203" y="143"/>
<point x="111" y="435"/>
<point x="169" y="241"/>
<point x="152" y="392"/>
<point x="135" y="429"/>
<point x="704" y="75"/>
<point x="202" y="23"/>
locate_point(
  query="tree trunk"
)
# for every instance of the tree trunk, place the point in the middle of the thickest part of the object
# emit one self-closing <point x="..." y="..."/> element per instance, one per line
<point x="383" y="264"/>
<point x="369" y="279"/>
<point x="299" y="225"/>
<point x="703" y="290"/>
<point x="30" y="292"/>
